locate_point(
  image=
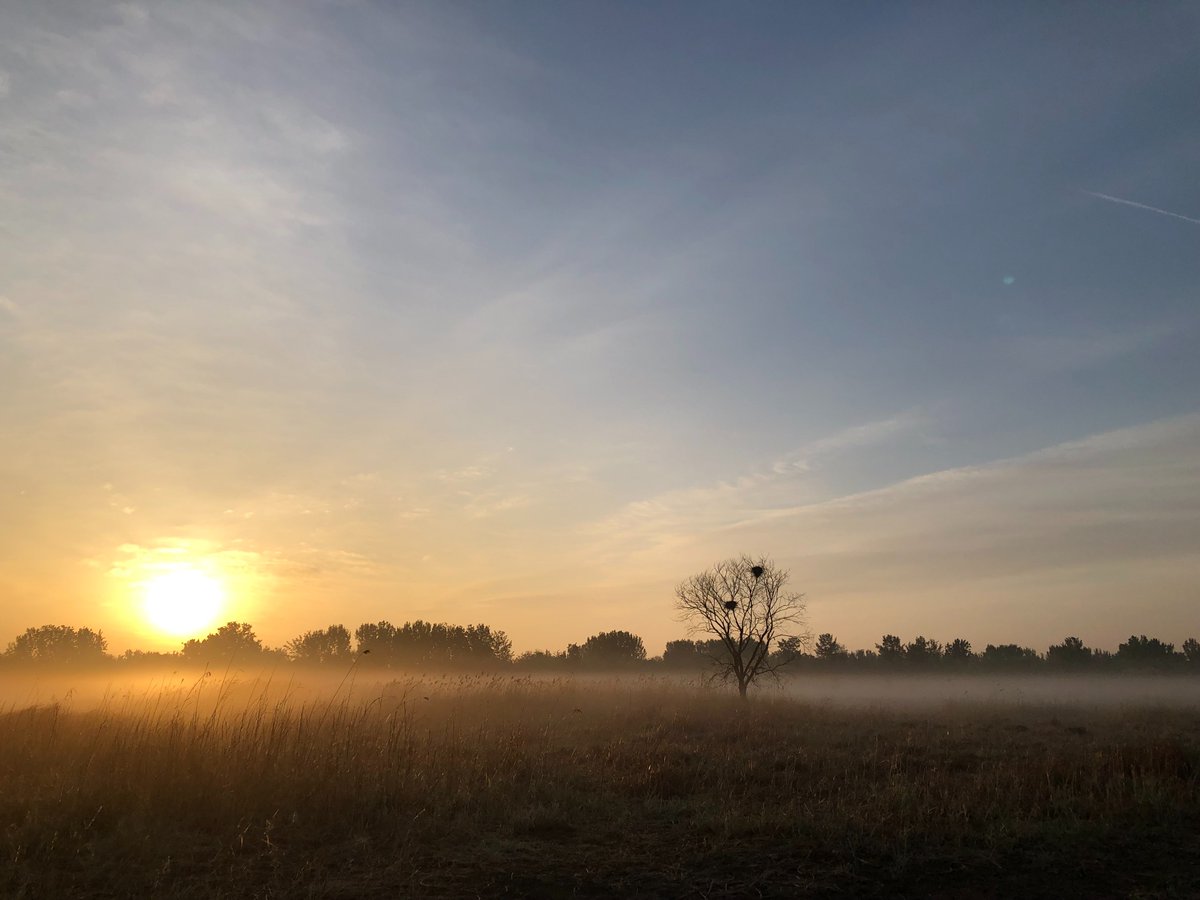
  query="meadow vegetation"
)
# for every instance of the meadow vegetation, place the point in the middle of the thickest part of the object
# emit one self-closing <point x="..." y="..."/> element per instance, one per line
<point x="499" y="784"/>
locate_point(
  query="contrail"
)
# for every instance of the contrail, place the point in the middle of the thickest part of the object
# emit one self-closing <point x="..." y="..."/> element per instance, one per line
<point x="1155" y="209"/>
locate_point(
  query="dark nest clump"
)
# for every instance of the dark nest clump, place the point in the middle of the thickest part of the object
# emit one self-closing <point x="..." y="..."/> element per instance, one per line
<point x="731" y="605"/>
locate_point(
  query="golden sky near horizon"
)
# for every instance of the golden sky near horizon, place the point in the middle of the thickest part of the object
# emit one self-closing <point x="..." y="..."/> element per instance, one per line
<point x="962" y="552"/>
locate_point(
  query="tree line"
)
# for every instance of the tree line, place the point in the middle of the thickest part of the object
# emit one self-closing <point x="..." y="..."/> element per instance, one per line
<point x="439" y="646"/>
<point x="413" y="645"/>
<point x="750" y="623"/>
<point x="1071" y="654"/>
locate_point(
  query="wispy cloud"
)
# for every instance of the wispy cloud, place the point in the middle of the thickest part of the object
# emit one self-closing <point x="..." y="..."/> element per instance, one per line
<point x="678" y="516"/>
<point x="490" y="503"/>
<point x="465" y="474"/>
<point x="135" y="561"/>
<point x="1148" y="208"/>
<point x="865" y="435"/>
<point x="1067" y="352"/>
<point x="1094" y="524"/>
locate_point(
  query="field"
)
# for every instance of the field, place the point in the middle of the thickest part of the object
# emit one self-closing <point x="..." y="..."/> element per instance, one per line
<point x="465" y="786"/>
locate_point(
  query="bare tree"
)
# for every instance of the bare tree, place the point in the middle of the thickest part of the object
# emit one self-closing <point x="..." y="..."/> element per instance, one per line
<point x="744" y="604"/>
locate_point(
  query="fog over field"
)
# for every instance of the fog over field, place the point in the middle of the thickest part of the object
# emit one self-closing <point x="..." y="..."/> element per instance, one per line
<point x="963" y="693"/>
<point x="919" y="691"/>
<point x="248" y="785"/>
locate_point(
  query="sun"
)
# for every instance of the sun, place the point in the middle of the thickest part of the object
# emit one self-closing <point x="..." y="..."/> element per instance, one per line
<point x="183" y="601"/>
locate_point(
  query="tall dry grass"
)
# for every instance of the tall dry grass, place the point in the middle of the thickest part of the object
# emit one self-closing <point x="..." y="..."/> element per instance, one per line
<point x="451" y="785"/>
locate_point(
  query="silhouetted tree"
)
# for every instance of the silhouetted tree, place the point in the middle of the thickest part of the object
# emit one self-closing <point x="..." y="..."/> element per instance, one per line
<point x="541" y="660"/>
<point x="574" y="654"/>
<point x="613" y="648"/>
<point x="419" y="644"/>
<point x="59" y="645"/>
<point x="488" y="645"/>
<point x="958" y="652"/>
<point x="1104" y="659"/>
<point x="744" y="604"/>
<point x="890" y="650"/>
<point x="422" y="644"/>
<point x="274" y="656"/>
<point x="1010" y="657"/>
<point x="375" y="642"/>
<point x="683" y="654"/>
<point x="1141" y="652"/>
<point x="922" y="652"/>
<point x="828" y="650"/>
<point x="148" y="658"/>
<point x="1191" y="652"/>
<point x="788" y="650"/>
<point x="232" y="641"/>
<point x="1070" y="654"/>
<point x="330" y="645"/>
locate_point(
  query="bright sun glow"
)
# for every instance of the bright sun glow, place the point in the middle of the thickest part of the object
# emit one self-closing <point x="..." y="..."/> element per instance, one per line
<point x="183" y="602"/>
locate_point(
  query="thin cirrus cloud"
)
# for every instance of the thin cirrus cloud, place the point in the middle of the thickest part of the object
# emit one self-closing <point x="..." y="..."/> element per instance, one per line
<point x="427" y="312"/>
<point x="679" y="515"/>
<point x="1081" y="537"/>
<point x="1085" y="536"/>
<point x="1056" y="353"/>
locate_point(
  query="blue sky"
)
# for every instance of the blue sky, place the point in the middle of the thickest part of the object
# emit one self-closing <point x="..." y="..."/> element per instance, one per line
<point x="522" y="313"/>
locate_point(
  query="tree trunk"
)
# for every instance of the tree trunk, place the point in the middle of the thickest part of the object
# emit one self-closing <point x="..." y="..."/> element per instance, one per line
<point x="742" y="688"/>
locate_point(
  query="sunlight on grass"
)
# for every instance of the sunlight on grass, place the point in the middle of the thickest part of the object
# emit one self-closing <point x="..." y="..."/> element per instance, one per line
<point x="287" y="784"/>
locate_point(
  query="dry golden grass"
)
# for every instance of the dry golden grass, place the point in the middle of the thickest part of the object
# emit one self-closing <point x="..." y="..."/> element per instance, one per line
<point x="498" y="785"/>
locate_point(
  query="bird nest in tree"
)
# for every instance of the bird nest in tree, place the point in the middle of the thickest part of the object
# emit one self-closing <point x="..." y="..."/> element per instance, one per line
<point x="731" y="605"/>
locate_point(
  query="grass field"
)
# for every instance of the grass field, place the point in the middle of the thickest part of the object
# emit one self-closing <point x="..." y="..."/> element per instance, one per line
<point x="500" y="786"/>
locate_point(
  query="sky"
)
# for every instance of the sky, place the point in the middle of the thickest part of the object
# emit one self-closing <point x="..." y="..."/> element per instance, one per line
<point x="522" y="313"/>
